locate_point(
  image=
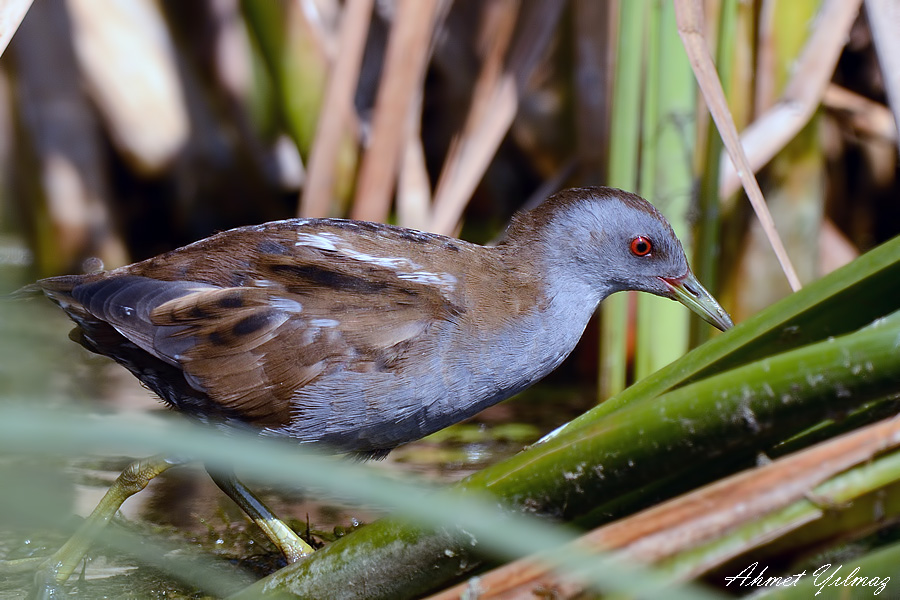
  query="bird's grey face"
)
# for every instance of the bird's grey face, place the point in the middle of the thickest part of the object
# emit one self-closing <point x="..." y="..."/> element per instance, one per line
<point x="623" y="243"/>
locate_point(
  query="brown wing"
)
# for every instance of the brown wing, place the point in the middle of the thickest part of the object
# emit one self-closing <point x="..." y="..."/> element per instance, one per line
<point x="303" y="311"/>
<point x="253" y="356"/>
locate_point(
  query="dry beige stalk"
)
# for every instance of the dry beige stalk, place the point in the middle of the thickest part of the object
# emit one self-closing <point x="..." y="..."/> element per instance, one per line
<point x="494" y="105"/>
<point x="766" y="56"/>
<point x="404" y="70"/>
<point x="689" y="16"/>
<point x="337" y="109"/>
<point x="414" y="187"/>
<point x="504" y="73"/>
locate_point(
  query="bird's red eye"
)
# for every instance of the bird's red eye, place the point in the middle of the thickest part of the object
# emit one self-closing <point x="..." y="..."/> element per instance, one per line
<point x="641" y="246"/>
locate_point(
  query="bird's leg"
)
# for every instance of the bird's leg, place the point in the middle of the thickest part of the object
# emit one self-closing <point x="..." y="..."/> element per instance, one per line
<point x="56" y="569"/>
<point x="291" y="545"/>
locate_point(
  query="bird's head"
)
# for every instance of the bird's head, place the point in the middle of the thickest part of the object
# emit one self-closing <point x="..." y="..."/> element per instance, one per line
<point x="611" y="240"/>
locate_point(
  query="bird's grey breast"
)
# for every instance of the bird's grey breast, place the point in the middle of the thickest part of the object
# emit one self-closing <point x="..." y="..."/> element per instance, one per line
<point x="458" y="373"/>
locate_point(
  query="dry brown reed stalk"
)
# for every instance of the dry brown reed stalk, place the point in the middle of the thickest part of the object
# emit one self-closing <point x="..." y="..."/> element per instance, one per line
<point x="495" y="101"/>
<point x="337" y="110"/>
<point x="414" y="183"/>
<point x="414" y="186"/>
<point x="689" y="15"/>
<point x="404" y="70"/>
<point x="494" y="104"/>
<point x="708" y="513"/>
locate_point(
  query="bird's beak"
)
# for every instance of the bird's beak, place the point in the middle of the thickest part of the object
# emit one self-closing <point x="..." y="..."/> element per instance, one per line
<point x="687" y="290"/>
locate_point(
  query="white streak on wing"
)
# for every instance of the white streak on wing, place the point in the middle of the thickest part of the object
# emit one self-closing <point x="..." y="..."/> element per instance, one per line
<point x="322" y="241"/>
<point x="394" y="263"/>
<point x="286" y="304"/>
<point x="265" y="283"/>
<point x="289" y="222"/>
<point x="324" y="323"/>
<point x="405" y="268"/>
<point x="444" y="280"/>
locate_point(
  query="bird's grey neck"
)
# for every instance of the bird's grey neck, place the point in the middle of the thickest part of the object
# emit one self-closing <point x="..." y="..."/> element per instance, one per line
<point x="555" y="250"/>
<point x="524" y="351"/>
<point x="558" y="325"/>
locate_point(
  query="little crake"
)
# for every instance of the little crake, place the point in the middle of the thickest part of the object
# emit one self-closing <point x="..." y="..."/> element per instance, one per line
<point x="359" y="337"/>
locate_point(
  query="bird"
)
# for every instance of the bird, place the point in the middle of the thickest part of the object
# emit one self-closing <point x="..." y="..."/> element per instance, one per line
<point x="357" y="337"/>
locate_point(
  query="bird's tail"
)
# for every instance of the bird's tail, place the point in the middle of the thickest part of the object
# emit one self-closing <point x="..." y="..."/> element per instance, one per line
<point x="28" y="291"/>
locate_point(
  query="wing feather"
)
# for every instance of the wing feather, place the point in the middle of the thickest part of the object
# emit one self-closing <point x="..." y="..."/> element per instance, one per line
<point x="253" y="315"/>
